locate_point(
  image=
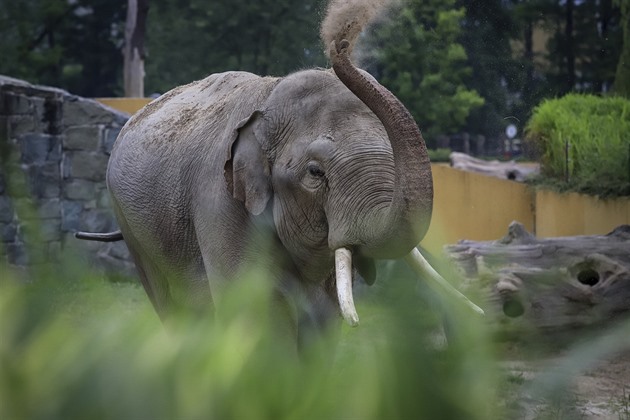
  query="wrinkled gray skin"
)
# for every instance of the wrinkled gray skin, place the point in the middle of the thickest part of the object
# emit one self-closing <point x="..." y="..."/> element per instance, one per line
<point x="237" y="169"/>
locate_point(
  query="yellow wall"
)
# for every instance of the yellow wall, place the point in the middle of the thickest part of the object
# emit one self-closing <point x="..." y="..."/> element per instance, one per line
<point x="128" y="105"/>
<point x="478" y="207"/>
<point x="577" y="214"/>
<point x="473" y="206"/>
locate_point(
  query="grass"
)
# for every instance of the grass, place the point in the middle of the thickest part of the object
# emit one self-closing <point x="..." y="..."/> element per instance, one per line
<point x="78" y="347"/>
<point x="620" y="404"/>
<point x="73" y="346"/>
<point x="584" y="143"/>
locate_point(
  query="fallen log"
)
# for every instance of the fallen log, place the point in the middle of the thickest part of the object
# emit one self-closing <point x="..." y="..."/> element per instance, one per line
<point x="548" y="284"/>
<point x="504" y="170"/>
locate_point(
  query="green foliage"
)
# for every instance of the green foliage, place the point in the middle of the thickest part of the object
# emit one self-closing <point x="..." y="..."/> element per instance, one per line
<point x="88" y="349"/>
<point x="188" y="41"/>
<point x="72" y="45"/>
<point x="420" y="60"/>
<point x="584" y="60"/>
<point x="622" y="75"/>
<point x="440" y="155"/>
<point x="486" y="31"/>
<point x="584" y="140"/>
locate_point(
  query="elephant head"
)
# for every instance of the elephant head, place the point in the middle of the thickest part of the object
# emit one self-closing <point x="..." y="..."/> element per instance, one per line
<point x="345" y="167"/>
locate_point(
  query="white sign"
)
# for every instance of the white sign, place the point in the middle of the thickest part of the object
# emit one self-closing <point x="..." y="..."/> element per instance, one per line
<point x="511" y="131"/>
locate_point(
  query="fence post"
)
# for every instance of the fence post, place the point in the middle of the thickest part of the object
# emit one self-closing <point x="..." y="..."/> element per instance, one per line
<point x="566" y="160"/>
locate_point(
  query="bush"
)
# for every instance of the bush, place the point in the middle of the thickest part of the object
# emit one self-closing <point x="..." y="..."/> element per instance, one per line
<point x="440" y="155"/>
<point x="584" y="142"/>
<point x="77" y="349"/>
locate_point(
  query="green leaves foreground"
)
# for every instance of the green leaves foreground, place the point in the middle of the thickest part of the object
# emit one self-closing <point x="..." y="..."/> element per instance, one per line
<point x="97" y="350"/>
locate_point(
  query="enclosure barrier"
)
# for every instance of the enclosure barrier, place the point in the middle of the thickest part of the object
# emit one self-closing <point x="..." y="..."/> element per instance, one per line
<point x="473" y="206"/>
<point x="127" y="105"/>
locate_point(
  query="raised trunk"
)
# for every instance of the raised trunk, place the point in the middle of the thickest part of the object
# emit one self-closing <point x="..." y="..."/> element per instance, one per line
<point x="407" y="219"/>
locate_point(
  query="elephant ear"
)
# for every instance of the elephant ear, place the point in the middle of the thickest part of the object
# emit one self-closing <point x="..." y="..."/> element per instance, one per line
<point x="247" y="170"/>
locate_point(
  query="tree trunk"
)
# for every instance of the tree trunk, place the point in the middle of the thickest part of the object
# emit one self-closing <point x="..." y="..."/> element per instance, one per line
<point x="570" y="45"/>
<point x="134" y="53"/>
<point x="528" y="55"/>
<point x="622" y="76"/>
<point x="504" y="170"/>
<point x="549" y="284"/>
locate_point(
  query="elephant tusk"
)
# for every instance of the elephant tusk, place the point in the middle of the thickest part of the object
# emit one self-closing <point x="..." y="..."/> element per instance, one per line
<point x="423" y="268"/>
<point x="343" y="273"/>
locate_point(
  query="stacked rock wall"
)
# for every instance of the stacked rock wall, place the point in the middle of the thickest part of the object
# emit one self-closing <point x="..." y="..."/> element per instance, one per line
<point x="54" y="149"/>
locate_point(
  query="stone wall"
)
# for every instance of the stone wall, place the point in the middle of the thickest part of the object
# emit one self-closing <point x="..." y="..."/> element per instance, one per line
<point x="54" y="149"/>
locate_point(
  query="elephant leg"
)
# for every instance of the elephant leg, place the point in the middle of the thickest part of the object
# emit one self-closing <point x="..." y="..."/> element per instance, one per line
<point x="284" y="320"/>
<point x="171" y="288"/>
<point x="155" y="289"/>
<point x="173" y="291"/>
<point x="319" y="317"/>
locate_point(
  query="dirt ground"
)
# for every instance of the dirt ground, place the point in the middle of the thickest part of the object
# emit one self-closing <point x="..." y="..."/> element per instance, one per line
<point x="600" y="392"/>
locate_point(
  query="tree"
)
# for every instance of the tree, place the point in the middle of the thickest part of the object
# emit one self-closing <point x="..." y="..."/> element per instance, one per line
<point x="74" y="44"/>
<point x="487" y="28"/>
<point x="189" y="41"/>
<point x="133" y="53"/>
<point x="418" y="57"/>
<point x="584" y="46"/>
<point x="622" y="74"/>
<point x="530" y="82"/>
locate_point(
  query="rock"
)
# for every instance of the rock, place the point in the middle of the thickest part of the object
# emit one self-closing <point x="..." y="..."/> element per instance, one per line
<point x="85" y="165"/>
<point x="36" y="147"/>
<point x="35" y="232"/>
<point x="80" y="189"/>
<point x="85" y="137"/>
<point x="81" y="111"/>
<point x="57" y="147"/>
<point x="70" y="215"/>
<point x="116" y="269"/>
<point x="6" y="209"/>
<point x="119" y="250"/>
<point x="49" y="208"/>
<point x="96" y="220"/>
<point x="16" y="254"/>
<point x="111" y="134"/>
<point x="54" y="251"/>
<point x="15" y="103"/>
<point x="44" y="180"/>
<point x="8" y="231"/>
<point x="504" y="170"/>
<point x="21" y="124"/>
<point x="88" y="165"/>
<point x="549" y="284"/>
<point x="103" y="200"/>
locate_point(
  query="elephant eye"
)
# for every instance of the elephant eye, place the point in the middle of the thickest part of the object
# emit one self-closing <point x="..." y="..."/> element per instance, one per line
<point x="315" y="170"/>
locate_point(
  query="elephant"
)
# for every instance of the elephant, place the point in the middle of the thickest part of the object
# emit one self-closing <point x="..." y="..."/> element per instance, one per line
<point x="312" y="176"/>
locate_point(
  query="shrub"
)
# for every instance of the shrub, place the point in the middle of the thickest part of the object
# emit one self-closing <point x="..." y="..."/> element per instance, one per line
<point x="75" y="347"/>
<point x="584" y="142"/>
<point x="440" y="155"/>
<point x="78" y="348"/>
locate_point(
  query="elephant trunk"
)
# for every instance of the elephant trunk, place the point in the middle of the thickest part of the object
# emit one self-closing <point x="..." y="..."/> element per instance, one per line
<point x="405" y="222"/>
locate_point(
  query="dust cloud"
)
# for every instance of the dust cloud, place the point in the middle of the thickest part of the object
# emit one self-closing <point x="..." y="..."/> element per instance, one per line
<point x="345" y="19"/>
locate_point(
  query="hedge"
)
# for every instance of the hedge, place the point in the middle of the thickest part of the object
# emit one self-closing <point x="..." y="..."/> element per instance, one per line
<point x="584" y="142"/>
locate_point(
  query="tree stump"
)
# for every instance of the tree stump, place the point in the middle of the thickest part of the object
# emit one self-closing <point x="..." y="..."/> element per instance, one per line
<point x="549" y="284"/>
<point x="504" y="170"/>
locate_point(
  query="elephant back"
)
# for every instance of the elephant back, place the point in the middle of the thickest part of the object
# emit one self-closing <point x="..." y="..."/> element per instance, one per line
<point x="201" y="110"/>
